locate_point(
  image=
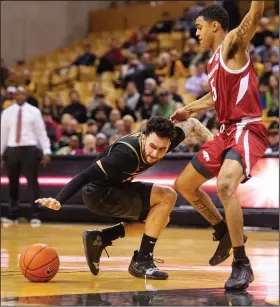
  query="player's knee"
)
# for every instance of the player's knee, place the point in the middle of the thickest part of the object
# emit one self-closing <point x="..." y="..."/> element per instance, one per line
<point x="225" y="189"/>
<point x="182" y="187"/>
<point x="169" y="196"/>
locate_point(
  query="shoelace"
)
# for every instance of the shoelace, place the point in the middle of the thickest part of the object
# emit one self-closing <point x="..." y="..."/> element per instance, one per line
<point x="216" y="237"/>
<point x="105" y="245"/>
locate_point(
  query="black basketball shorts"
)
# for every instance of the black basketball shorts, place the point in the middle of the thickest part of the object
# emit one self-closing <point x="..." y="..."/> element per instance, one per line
<point x="128" y="201"/>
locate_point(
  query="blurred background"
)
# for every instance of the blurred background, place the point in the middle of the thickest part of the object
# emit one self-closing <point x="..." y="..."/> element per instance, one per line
<point x="98" y="70"/>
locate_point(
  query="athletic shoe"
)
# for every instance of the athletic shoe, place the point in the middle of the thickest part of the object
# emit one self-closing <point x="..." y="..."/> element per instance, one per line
<point x="94" y="245"/>
<point x="145" y="268"/>
<point x="224" y="249"/>
<point x="242" y="274"/>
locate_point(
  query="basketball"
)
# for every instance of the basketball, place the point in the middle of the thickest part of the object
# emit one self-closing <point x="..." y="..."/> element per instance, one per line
<point x="39" y="263"/>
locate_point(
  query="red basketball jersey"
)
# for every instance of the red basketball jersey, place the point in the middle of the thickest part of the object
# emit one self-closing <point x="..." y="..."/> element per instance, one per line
<point x="234" y="92"/>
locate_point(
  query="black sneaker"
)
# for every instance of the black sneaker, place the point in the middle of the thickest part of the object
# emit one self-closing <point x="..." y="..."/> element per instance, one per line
<point x="242" y="274"/>
<point x="239" y="298"/>
<point x="146" y="268"/>
<point x="224" y="249"/>
<point x="94" y="245"/>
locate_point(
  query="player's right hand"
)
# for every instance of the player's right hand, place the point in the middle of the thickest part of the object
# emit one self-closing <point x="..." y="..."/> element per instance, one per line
<point x="180" y="115"/>
<point x="50" y="203"/>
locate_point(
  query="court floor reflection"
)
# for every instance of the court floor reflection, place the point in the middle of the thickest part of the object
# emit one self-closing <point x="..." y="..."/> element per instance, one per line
<point x="257" y="296"/>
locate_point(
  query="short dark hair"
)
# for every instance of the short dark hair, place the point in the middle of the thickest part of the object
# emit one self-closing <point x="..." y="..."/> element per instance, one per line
<point x="217" y="13"/>
<point x="162" y="127"/>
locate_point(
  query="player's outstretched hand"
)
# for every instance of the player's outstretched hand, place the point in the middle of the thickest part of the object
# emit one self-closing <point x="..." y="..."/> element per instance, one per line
<point x="180" y="115"/>
<point x="50" y="203"/>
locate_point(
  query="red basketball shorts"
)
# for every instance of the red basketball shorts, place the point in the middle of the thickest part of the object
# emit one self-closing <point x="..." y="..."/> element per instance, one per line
<point x="245" y="142"/>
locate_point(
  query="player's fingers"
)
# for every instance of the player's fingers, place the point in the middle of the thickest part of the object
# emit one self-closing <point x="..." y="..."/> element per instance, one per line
<point x="38" y="201"/>
<point x="57" y="206"/>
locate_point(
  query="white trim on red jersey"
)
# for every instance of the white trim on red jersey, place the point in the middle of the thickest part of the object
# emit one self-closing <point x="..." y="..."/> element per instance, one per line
<point x="233" y="71"/>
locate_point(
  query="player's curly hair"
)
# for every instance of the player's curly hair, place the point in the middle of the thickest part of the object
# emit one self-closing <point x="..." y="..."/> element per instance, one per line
<point x="217" y="13"/>
<point x="162" y="127"/>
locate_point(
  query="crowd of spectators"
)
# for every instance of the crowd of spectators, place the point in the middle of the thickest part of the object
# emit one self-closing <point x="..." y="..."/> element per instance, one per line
<point x="88" y="127"/>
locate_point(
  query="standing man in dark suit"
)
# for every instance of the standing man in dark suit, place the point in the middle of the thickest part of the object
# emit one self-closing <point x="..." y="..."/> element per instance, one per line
<point x="22" y="133"/>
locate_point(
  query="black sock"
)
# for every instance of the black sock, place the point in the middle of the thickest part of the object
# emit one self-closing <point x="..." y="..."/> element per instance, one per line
<point x="239" y="253"/>
<point x="221" y="228"/>
<point x="113" y="232"/>
<point x="147" y="246"/>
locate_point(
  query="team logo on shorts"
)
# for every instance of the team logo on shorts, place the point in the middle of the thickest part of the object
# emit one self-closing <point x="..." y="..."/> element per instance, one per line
<point x="206" y="155"/>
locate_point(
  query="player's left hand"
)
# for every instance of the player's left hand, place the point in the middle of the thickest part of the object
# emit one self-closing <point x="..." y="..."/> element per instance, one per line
<point x="50" y="203"/>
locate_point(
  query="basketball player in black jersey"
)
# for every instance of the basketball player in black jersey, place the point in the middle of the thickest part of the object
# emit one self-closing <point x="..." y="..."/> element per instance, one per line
<point x="107" y="190"/>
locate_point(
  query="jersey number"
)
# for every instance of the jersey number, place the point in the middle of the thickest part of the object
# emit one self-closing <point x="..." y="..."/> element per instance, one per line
<point x="214" y="92"/>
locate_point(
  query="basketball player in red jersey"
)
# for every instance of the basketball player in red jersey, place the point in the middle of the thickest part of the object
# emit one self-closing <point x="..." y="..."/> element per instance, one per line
<point x="242" y="139"/>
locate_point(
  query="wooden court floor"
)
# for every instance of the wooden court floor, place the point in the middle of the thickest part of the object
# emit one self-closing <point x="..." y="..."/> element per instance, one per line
<point x="192" y="282"/>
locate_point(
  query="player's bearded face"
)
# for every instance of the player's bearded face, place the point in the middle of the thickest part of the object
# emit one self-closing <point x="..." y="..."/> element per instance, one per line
<point x="154" y="148"/>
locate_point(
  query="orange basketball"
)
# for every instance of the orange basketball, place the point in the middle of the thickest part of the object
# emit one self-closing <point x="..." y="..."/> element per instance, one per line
<point x="39" y="262"/>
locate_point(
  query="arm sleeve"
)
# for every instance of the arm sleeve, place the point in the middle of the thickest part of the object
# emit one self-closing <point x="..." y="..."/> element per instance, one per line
<point x="118" y="161"/>
<point x="41" y="133"/>
<point x="93" y="172"/>
<point x="180" y="136"/>
<point x="4" y="132"/>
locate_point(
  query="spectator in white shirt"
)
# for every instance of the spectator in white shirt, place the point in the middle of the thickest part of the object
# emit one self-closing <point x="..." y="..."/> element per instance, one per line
<point x="193" y="84"/>
<point x="22" y="133"/>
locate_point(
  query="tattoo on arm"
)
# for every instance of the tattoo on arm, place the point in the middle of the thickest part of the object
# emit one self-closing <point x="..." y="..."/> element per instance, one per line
<point x="244" y="27"/>
<point x="201" y="131"/>
<point x="194" y="125"/>
<point x="205" y="212"/>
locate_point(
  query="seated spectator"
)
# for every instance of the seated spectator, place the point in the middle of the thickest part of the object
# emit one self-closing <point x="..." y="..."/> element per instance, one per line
<point x="189" y="53"/>
<point x="259" y="37"/>
<point x="141" y="33"/>
<point x="193" y="83"/>
<point x="267" y="72"/>
<point x="267" y="49"/>
<point x="190" y="14"/>
<point x="109" y="128"/>
<point x="120" y="128"/>
<point x="163" y="64"/>
<point x="89" y="145"/>
<point x="144" y="71"/>
<point x="10" y="98"/>
<point x="96" y="90"/>
<point x="258" y="65"/>
<point x="166" y="106"/>
<point x="132" y="95"/>
<point x="101" y="142"/>
<point x="88" y="58"/>
<point x="46" y="104"/>
<point x="70" y="127"/>
<point x="92" y="127"/>
<point x="58" y="107"/>
<point x="76" y="108"/>
<point x="112" y="58"/>
<point x="145" y="109"/>
<point x="275" y="71"/>
<point x="124" y="109"/>
<point x="273" y="104"/>
<point x="140" y="45"/>
<point x="102" y="104"/>
<point x="190" y="144"/>
<point x="4" y="73"/>
<point x="273" y="137"/>
<point x="176" y="68"/>
<point x="173" y="90"/>
<point x="54" y="131"/>
<point x="100" y="118"/>
<point x="72" y="149"/>
<point x="165" y="25"/>
<point x="263" y="95"/>
<point x="128" y="124"/>
<point x="204" y="89"/>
